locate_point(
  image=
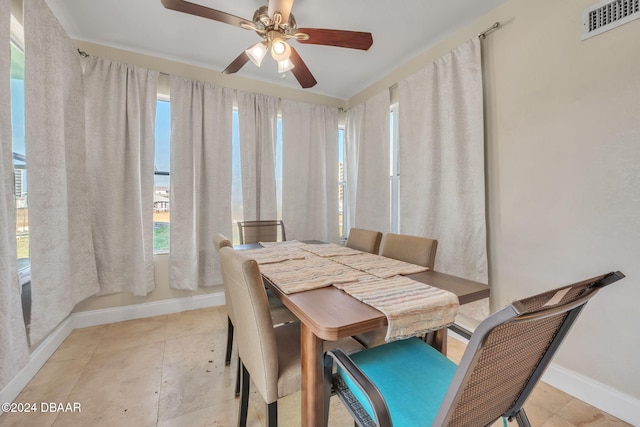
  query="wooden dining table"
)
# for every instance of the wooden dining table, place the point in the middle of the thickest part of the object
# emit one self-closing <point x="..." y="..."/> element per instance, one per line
<point x="330" y="314"/>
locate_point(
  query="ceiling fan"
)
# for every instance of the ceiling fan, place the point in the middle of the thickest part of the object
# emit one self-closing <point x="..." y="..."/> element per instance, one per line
<point x="275" y="24"/>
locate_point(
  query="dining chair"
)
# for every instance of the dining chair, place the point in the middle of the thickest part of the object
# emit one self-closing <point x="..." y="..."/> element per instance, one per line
<point x="364" y="240"/>
<point x="408" y="383"/>
<point x="220" y="241"/>
<point x="269" y="355"/>
<point x="412" y="249"/>
<point x="279" y="313"/>
<point x="271" y="230"/>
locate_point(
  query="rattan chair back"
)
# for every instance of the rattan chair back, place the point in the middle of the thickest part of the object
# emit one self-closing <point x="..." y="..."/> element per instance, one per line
<point x="510" y="351"/>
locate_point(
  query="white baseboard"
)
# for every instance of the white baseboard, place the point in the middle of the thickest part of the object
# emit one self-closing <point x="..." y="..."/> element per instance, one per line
<point x="138" y="311"/>
<point x="603" y="397"/>
<point x="37" y="359"/>
<point x="49" y="345"/>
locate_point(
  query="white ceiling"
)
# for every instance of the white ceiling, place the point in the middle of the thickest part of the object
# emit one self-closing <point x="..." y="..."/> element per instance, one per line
<point x="401" y="30"/>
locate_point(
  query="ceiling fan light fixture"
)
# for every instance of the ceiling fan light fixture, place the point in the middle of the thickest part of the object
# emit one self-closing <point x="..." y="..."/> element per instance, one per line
<point x="280" y="50"/>
<point x="257" y="52"/>
<point x="285" y="65"/>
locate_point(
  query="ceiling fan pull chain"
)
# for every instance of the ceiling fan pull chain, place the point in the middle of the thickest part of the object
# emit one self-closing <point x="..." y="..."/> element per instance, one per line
<point x="277" y="20"/>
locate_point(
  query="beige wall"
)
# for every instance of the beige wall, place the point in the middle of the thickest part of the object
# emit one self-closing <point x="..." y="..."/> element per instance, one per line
<point x="563" y="170"/>
<point x="161" y="292"/>
<point x="563" y="146"/>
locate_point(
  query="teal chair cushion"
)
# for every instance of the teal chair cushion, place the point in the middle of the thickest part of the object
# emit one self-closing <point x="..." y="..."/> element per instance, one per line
<point x="412" y="377"/>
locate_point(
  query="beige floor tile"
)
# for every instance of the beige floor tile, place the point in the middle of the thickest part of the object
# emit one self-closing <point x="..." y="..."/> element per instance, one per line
<point x="54" y="382"/>
<point x="548" y="397"/>
<point x="194" y="376"/>
<point x="220" y="415"/>
<point x="169" y="371"/>
<point x="24" y="419"/>
<point x="118" y="388"/>
<point x="537" y="414"/>
<point x="195" y="322"/>
<point x="556" y="421"/>
<point x="455" y="349"/>
<point x="583" y="415"/>
<point x="80" y="344"/>
<point x="133" y="333"/>
<point x="338" y="414"/>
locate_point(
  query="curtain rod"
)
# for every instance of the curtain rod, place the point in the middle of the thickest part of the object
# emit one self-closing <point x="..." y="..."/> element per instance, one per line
<point x="483" y="34"/>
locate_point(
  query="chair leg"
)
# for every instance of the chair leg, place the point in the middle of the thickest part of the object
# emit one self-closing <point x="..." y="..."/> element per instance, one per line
<point x="238" y="376"/>
<point x="522" y="419"/>
<point x="244" y="398"/>
<point x="227" y="358"/>
<point x="272" y="414"/>
<point x="328" y="387"/>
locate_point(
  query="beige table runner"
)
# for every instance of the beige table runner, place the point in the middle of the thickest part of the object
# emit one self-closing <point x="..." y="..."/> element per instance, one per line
<point x="329" y="250"/>
<point x="379" y="266"/>
<point x="275" y="254"/>
<point x="298" y="275"/>
<point x="412" y="308"/>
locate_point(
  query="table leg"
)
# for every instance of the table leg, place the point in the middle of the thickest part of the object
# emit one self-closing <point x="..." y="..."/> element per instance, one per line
<point x="312" y="378"/>
<point x="438" y="340"/>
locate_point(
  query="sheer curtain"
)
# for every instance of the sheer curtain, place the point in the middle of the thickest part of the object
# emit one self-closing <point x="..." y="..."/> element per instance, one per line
<point x="14" y="353"/>
<point x="442" y="160"/>
<point x="310" y="171"/>
<point x="200" y="180"/>
<point x="63" y="268"/>
<point x="258" y="116"/>
<point x="367" y="159"/>
<point x="120" y="117"/>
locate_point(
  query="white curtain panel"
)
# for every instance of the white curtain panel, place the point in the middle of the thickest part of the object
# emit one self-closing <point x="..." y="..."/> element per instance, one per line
<point x="63" y="268"/>
<point x="200" y="180"/>
<point x="310" y="171"/>
<point x="120" y="116"/>
<point x="14" y="353"/>
<point x="442" y="192"/>
<point x="258" y="116"/>
<point x="367" y="164"/>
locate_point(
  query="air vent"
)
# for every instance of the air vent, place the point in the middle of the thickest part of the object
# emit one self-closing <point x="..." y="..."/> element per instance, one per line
<point x="608" y="15"/>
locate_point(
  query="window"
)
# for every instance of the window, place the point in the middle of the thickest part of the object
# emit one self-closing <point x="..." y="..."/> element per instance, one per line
<point x="237" y="211"/>
<point x="20" y="161"/>
<point x="394" y="170"/>
<point x="342" y="185"/>
<point x="161" y="188"/>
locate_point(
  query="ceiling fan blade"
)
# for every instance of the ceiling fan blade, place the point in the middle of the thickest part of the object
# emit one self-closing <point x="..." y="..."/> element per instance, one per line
<point x="300" y="71"/>
<point x="282" y="6"/>
<point x="205" y="12"/>
<point x="339" y="38"/>
<point x="237" y="63"/>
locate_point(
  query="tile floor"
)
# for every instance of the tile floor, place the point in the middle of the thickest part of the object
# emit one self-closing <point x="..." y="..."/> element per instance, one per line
<point x="169" y="371"/>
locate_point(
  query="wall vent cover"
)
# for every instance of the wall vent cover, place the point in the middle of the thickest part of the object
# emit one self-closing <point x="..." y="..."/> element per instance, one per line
<point x="608" y="15"/>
